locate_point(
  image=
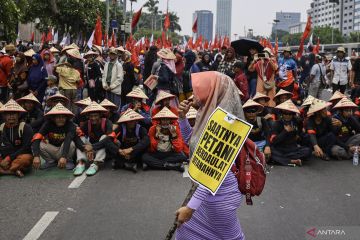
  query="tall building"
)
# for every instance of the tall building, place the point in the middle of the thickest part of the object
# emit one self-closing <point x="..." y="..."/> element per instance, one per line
<point x="342" y="15"/>
<point x="223" y="18"/>
<point x="205" y="23"/>
<point x="285" y="20"/>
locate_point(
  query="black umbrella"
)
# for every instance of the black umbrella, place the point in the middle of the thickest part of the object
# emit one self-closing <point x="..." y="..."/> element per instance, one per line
<point x="243" y="45"/>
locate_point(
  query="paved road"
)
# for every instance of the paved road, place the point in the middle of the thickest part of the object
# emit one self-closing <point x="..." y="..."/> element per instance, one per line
<point x="123" y="205"/>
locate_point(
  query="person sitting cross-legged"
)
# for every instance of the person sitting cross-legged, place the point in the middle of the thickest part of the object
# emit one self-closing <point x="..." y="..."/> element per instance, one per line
<point x="94" y="130"/>
<point x="131" y="140"/>
<point x="166" y="143"/>
<point x="348" y="134"/>
<point x="56" y="140"/>
<point x="284" y="139"/>
<point x="163" y="99"/>
<point x="15" y="141"/>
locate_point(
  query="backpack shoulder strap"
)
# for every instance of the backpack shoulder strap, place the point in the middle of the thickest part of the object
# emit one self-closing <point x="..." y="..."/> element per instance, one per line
<point x="2" y="127"/>
<point x="103" y="124"/>
<point x="21" y="128"/>
<point x="137" y="131"/>
<point x="259" y="122"/>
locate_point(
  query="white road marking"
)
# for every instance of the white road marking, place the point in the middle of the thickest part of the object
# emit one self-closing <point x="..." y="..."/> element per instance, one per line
<point x="40" y="226"/>
<point x="77" y="181"/>
<point x="186" y="171"/>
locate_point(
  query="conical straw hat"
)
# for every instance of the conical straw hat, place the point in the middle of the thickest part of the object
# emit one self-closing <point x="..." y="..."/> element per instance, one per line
<point x="90" y="52"/>
<point x="137" y="93"/>
<point x="192" y="113"/>
<point x="1" y="105"/>
<point x="165" y="113"/>
<point x="54" y="50"/>
<point x="240" y="93"/>
<point x="12" y="106"/>
<point x="106" y="103"/>
<point x="317" y="105"/>
<point x="29" y="53"/>
<point x="93" y="107"/>
<point x="29" y="97"/>
<point x="58" y="96"/>
<point x="308" y="101"/>
<point x="74" y="53"/>
<point x="336" y="96"/>
<point x="259" y="95"/>
<point x="288" y="106"/>
<point x="130" y="115"/>
<point x="120" y="49"/>
<point x="282" y="92"/>
<point x="166" y="54"/>
<point x="345" y="103"/>
<point x="84" y="102"/>
<point x="251" y="103"/>
<point x="71" y="46"/>
<point x="163" y="95"/>
<point x="97" y="47"/>
<point x="59" y="109"/>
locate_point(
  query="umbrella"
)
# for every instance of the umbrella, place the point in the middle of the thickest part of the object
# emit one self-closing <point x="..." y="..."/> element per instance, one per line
<point x="243" y="45"/>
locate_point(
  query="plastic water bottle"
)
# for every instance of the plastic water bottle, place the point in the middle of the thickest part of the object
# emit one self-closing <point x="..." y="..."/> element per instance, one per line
<point x="356" y="157"/>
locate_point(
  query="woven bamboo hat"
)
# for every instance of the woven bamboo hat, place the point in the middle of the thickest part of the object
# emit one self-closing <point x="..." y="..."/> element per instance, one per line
<point x="58" y="96"/>
<point x="137" y="93"/>
<point x="163" y="95"/>
<point x="84" y="102"/>
<point x="166" y="53"/>
<point x="90" y="53"/>
<point x="283" y="92"/>
<point x="94" y="107"/>
<point x="165" y="113"/>
<point x="54" y="50"/>
<point x="59" y="109"/>
<point x="29" y="97"/>
<point x="259" y="95"/>
<point x="240" y="93"/>
<point x="192" y="113"/>
<point x="74" y="53"/>
<point x="29" y="53"/>
<point x="130" y="115"/>
<point x="12" y="106"/>
<point x="336" y="96"/>
<point x="308" y="101"/>
<point x="288" y="106"/>
<point x="97" y="47"/>
<point x="317" y="105"/>
<point x="71" y="46"/>
<point x="120" y="49"/>
<point x="345" y="103"/>
<point x="251" y="104"/>
<point x="108" y="104"/>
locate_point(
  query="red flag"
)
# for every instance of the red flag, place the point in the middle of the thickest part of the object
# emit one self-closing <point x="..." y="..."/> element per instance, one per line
<point x="136" y="18"/>
<point x="190" y="43"/>
<point x="316" y="49"/>
<point x="276" y="47"/>
<point x="43" y="38"/>
<point x="167" y="22"/>
<point x="226" y="42"/>
<point x="98" y="32"/>
<point x="163" y="39"/>
<point x="113" y="39"/>
<point x="134" y="57"/>
<point x="198" y="42"/>
<point x="304" y="37"/>
<point x="215" y="44"/>
<point x="206" y="45"/>
<point x="106" y="40"/>
<point x="158" y="43"/>
<point x="32" y="37"/>
<point x="49" y="36"/>
<point x="195" y="26"/>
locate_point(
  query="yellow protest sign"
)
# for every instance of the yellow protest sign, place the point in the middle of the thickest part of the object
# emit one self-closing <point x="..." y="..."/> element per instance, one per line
<point x="217" y="149"/>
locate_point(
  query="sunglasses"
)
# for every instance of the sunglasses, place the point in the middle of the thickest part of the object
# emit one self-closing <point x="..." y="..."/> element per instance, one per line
<point x="251" y="110"/>
<point x="288" y="113"/>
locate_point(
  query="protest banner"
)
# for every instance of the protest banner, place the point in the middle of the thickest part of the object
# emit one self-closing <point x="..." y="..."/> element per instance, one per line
<point x="217" y="149"/>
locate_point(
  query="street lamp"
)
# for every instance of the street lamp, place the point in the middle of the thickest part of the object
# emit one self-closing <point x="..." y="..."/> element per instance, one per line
<point x="335" y="2"/>
<point x="276" y="21"/>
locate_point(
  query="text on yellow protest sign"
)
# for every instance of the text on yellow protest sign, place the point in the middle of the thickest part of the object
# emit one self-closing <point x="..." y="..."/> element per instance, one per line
<point x="218" y="147"/>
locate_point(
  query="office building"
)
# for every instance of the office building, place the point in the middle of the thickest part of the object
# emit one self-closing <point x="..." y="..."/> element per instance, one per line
<point x="223" y="18"/>
<point x="204" y="23"/>
<point x="285" y="20"/>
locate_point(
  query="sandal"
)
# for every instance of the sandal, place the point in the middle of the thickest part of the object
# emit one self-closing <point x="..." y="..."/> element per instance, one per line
<point x="19" y="174"/>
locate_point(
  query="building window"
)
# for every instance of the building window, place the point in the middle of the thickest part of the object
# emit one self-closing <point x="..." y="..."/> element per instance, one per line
<point x="350" y="27"/>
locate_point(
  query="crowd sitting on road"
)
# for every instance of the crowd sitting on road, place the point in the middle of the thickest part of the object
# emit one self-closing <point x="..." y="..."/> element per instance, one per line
<point x="75" y="109"/>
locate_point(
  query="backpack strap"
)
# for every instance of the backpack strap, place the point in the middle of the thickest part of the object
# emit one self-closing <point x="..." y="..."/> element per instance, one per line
<point x="103" y="124"/>
<point x="259" y="122"/>
<point x="248" y="176"/>
<point x="2" y="127"/>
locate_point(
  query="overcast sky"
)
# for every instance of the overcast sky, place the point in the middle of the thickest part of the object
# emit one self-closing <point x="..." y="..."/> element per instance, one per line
<point x="254" y="14"/>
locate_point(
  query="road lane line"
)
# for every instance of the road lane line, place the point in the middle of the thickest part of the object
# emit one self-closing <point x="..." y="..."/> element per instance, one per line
<point x="40" y="226"/>
<point x="186" y="171"/>
<point x="77" y="181"/>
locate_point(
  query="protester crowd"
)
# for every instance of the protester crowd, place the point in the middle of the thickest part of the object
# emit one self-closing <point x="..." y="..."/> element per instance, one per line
<point x="76" y="108"/>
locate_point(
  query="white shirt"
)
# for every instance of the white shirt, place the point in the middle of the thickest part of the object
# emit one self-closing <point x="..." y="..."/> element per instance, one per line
<point x="341" y="69"/>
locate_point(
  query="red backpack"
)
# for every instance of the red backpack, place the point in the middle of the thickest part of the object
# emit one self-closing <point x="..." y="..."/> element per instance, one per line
<point x="250" y="171"/>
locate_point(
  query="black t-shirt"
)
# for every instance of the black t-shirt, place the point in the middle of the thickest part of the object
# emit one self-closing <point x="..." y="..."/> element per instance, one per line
<point x="356" y="69"/>
<point x="95" y="132"/>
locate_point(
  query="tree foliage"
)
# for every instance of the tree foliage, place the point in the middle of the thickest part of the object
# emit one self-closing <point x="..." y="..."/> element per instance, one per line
<point x="10" y="14"/>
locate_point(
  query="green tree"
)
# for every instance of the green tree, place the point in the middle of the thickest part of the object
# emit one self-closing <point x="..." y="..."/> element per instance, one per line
<point x="142" y="32"/>
<point x="10" y="13"/>
<point x="152" y="7"/>
<point x="325" y="35"/>
<point x="279" y="33"/>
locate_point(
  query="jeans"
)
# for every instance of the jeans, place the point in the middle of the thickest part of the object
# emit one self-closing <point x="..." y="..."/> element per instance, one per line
<point x="252" y="87"/>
